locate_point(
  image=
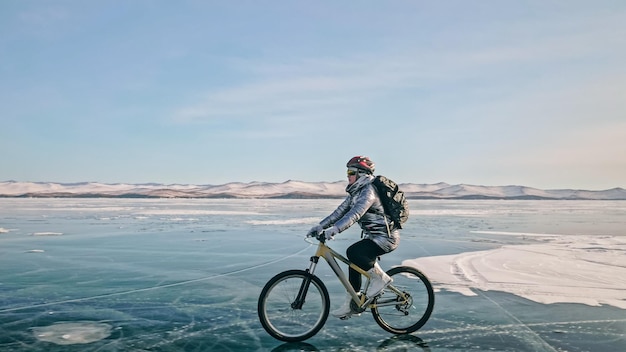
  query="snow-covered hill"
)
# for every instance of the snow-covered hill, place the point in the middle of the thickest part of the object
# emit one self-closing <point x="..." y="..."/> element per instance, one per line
<point x="289" y="189"/>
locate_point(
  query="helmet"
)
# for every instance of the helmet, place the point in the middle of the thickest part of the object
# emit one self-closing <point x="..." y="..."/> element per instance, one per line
<point x="362" y="163"/>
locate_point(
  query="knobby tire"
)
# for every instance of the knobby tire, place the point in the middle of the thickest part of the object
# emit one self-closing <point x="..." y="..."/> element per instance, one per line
<point x="409" y="312"/>
<point x="277" y="313"/>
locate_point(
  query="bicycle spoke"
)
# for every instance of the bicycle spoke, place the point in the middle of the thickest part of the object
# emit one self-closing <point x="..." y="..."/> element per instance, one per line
<point x="276" y="303"/>
<point x="407" y="304"/>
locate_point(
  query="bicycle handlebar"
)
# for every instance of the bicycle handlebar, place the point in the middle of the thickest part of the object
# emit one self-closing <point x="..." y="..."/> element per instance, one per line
<point x="320" y="237"/>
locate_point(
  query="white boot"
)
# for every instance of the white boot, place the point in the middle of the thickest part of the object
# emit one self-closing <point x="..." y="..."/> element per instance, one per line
<point x="344" y="312"/>
<point x="378" y="281"/>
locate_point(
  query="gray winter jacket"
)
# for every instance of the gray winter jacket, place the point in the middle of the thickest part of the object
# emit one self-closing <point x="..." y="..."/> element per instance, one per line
<point x="363" y="206"/>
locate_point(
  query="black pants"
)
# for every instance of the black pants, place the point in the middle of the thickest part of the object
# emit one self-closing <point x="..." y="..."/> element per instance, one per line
<point x="363" y="254"/>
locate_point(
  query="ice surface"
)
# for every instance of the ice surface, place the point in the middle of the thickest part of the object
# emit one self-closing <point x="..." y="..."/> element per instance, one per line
<point x="185" y="274"/>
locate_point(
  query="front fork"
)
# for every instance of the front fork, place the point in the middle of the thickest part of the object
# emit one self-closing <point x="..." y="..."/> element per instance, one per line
<point x="359" y="300"/>
<point x="304" y="287"/>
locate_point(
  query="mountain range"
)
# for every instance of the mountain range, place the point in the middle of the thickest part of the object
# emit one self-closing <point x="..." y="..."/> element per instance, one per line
<point x="288" y="189"/>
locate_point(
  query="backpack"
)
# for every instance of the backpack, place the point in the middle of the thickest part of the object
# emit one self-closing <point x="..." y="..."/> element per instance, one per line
<point x="393" y="200"/>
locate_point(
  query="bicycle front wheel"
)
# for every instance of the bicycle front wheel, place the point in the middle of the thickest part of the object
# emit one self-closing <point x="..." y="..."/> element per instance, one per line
<point x="406" y="304"/>
<point x="280" y="314"/>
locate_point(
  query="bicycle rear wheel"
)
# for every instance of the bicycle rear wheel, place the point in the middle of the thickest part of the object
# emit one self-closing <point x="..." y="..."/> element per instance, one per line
<point x="406" y="304"/>
<point x="278" y="310"/>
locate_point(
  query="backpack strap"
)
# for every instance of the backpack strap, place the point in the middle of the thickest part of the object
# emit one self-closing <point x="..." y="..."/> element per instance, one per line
<point x="387" y="224"/>
<point x="383" y="213"/>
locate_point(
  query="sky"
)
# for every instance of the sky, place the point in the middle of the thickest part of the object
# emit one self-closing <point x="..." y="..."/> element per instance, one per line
<point x="209" y="92"/>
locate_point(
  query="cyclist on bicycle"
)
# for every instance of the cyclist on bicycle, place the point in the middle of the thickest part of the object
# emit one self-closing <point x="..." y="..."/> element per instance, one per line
<point x="379" y="236"/>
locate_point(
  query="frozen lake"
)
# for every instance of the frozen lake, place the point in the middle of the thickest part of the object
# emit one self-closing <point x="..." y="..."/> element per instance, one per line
<point x="185" y="275"/>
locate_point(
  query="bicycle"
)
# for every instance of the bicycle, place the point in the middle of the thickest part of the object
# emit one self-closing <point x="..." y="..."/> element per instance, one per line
<point x="294" y="305"/>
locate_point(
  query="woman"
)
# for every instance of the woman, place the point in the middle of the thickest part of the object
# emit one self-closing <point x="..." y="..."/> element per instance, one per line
<point x="362" y="206"/>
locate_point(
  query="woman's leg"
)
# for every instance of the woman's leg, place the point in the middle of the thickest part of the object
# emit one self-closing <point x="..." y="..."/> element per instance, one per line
<point x="363" y="254"/>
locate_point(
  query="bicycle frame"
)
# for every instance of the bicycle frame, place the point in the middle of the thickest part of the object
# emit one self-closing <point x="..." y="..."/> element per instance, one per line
<point x="331" y="256"/>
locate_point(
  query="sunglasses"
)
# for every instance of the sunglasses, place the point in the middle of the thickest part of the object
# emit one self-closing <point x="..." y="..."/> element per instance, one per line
<point x="351" y="172"/>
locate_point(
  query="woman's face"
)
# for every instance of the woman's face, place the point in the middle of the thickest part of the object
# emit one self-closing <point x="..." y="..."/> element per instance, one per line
<point x="352" y="176"/>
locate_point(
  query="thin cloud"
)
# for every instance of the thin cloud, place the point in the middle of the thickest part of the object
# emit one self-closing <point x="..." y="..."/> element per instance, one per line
<point x="345" y="83"/>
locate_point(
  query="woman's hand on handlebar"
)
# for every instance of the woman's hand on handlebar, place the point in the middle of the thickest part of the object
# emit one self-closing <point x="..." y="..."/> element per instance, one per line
<point x="315" y="231"/>
<point x="323" y="234"/>
<point x="330" y="232"/>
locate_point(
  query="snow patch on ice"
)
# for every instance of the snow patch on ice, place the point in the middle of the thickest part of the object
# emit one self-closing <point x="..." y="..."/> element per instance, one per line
<point x="70" y="333"/>
<point x="183" y="219"/>
<point x="518" y="234"/>
<point x="47" y="233"/>
<point x="195" y="212"/>
<point x="565" y="269"/>
<point x="284" y="222"/>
